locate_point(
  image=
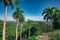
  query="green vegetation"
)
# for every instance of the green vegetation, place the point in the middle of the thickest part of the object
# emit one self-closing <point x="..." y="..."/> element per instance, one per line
<point x="55" y="35"/>
<point x="29" y="30"/>
<point x="37" y="29"/>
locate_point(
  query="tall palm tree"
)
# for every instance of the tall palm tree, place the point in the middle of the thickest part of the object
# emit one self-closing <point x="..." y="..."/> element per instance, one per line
<point x="30" y="22"/>
<point x="48" y="14"/>
<point x="6" y="3"/>
<point x="21" y="20"/>
<point x="16" y="17"/>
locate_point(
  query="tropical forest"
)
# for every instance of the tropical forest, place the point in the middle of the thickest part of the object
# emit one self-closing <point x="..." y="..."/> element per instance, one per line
<point x="29" y="19"/>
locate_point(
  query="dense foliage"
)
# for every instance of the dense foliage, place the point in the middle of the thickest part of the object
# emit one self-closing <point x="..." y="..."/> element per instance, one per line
<point x="36" y="29"/>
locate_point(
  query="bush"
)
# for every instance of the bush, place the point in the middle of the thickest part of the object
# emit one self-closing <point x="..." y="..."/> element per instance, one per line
<point x="54" y="35"/>
<point x="32" y="38"/>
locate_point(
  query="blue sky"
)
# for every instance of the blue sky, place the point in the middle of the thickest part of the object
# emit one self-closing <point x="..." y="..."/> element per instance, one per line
<point x="32" y="9"/>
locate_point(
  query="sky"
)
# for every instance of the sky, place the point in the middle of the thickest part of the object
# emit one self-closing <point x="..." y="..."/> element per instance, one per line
<point x="32" y="9"/>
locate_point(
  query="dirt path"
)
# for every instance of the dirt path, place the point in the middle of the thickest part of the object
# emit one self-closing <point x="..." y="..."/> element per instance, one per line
<point x="43" y="37"/>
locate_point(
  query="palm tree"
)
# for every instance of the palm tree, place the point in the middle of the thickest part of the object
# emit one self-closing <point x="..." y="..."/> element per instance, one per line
<point x="48" y="14"/>
<point x="16" y="17"/>
<point x="21" y="25"/>
<point x="30" y="22"/>
<point x="21" y="20"/>
<point x="6" y="3"/>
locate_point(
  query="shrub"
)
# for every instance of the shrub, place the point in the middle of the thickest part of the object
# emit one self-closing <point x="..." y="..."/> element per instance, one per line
<point x="55" y="35"/>
<point x="32" y="38"/>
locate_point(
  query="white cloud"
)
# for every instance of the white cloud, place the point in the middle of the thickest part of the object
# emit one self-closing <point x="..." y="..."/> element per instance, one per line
<point x="10" y="19"/>
<point x="34" y="18"/>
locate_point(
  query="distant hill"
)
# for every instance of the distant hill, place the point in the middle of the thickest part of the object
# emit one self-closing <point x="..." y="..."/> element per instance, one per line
<point x="1" y="21"/>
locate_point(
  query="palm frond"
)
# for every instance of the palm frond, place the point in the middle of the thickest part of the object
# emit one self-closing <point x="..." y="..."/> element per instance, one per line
<point x="43" y="13"/>
<point x="21" y="18"/>
<point x="45" y="16"/>
<point x="11" y="2"/>
<point x="17" y="3"/>
<point x="22" y="11"/>
<point x="15" y="15"/>
<point x="53" y="8"/>
<point x="18" y="9"/>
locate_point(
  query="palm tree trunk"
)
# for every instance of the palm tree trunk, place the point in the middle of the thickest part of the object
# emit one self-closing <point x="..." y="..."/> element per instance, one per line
<point x="17" y="30"/>
<point x="21" y="31"/>
<point x="29" y="33"/>
<point x="4" y="26"/>
<point x="51" y="25"/>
